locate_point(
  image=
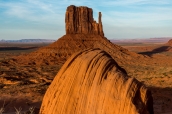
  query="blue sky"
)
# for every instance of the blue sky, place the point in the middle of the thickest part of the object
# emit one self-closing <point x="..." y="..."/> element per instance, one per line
<point x="122" y="19"/>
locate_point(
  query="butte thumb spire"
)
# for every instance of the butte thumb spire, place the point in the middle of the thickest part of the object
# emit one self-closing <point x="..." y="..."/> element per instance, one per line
<point x="79" y="20"/>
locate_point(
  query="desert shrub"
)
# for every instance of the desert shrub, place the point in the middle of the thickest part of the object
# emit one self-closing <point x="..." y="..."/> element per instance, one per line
<point x="18" y="111"/>
<point x="2" y="109"/>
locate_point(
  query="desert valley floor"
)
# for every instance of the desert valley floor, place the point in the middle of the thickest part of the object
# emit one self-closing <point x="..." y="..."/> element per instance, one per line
<point x="24" y="85"/>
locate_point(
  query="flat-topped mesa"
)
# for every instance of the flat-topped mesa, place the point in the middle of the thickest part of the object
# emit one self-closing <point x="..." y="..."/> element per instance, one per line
<point x="80" y="20"/>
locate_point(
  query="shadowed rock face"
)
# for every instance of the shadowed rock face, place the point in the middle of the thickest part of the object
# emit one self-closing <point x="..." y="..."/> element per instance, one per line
<point x="91" y="82"/>
<point x="80" y="20"/>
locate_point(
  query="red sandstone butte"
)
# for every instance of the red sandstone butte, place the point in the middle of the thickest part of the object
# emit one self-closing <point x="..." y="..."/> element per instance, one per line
<point x="80" y="20"/>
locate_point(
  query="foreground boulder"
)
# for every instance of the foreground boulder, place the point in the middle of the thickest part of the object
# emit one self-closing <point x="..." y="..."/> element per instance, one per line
<point x="91" y="82"/>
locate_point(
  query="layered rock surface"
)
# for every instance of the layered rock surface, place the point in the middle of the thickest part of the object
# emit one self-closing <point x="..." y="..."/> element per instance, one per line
<point x="91" y="82"/>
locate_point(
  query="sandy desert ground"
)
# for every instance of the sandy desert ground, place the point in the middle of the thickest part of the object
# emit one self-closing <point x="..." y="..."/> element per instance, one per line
<point x="24" y="85"/>
<point x="156" y="74"/>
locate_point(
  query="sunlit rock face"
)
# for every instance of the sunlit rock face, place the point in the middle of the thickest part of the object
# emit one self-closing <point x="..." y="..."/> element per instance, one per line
<point x="91" y="82"/>
<point x="80" y="20"/>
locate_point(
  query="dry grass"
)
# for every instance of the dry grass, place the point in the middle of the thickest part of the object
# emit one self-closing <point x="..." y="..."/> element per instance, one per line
<point x="2" y="109"/>
<point x="18" y="111"/>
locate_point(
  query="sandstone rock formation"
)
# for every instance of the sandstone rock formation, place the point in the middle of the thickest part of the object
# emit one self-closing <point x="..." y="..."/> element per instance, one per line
<point x="91" y="82"/>
<point x="82" y="32"/>
<point x="80" y="20"/>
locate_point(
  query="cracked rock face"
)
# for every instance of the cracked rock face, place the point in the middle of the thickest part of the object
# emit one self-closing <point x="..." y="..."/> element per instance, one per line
<point x="91" y="82"/>
<point x="80" y="20"/>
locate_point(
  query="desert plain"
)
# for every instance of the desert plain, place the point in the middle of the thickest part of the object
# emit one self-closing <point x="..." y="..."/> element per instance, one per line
<point x="25" y="85"/>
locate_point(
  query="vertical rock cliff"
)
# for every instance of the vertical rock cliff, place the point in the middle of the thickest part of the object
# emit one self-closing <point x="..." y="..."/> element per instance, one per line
<point x="91" y="82"/>
<point x="80" y="20"/>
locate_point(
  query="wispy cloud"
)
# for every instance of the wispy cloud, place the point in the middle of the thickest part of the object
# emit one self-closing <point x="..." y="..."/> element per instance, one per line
<point x="39" y="10"/>
<point x="47" y="7"/>
<point x="32" y="10"/>
<point x="118" y="15"/>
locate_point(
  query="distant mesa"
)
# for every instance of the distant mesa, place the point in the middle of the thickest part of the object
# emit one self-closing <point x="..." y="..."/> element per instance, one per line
<point x="28" y="41"/>
<point x="145" y="40"/>
<point x="169" y="42"/>
<point x="91" y="82"/>
<point x="168" y="46"/>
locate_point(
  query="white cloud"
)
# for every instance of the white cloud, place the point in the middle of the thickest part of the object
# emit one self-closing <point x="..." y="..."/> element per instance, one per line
<point x="120" y="17"/>
<point x="18" y="11"/>
<point x="33" y="11"/>
<point x="42" y="5"/>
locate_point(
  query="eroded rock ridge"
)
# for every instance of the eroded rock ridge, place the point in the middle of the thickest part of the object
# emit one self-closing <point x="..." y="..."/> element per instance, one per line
<point x="91" y="82"/>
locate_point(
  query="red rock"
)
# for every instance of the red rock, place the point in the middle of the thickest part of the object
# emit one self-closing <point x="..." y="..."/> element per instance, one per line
<point x="80" y="20"/>
<point x="91" y="82"/>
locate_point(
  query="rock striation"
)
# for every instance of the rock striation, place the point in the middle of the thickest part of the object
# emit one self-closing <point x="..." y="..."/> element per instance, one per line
<point x="91" y="82"/>
<point x="80" y="20"/>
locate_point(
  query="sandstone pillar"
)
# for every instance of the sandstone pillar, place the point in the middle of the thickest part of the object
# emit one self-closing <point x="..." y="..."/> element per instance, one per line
<point x="79" y="20"/>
